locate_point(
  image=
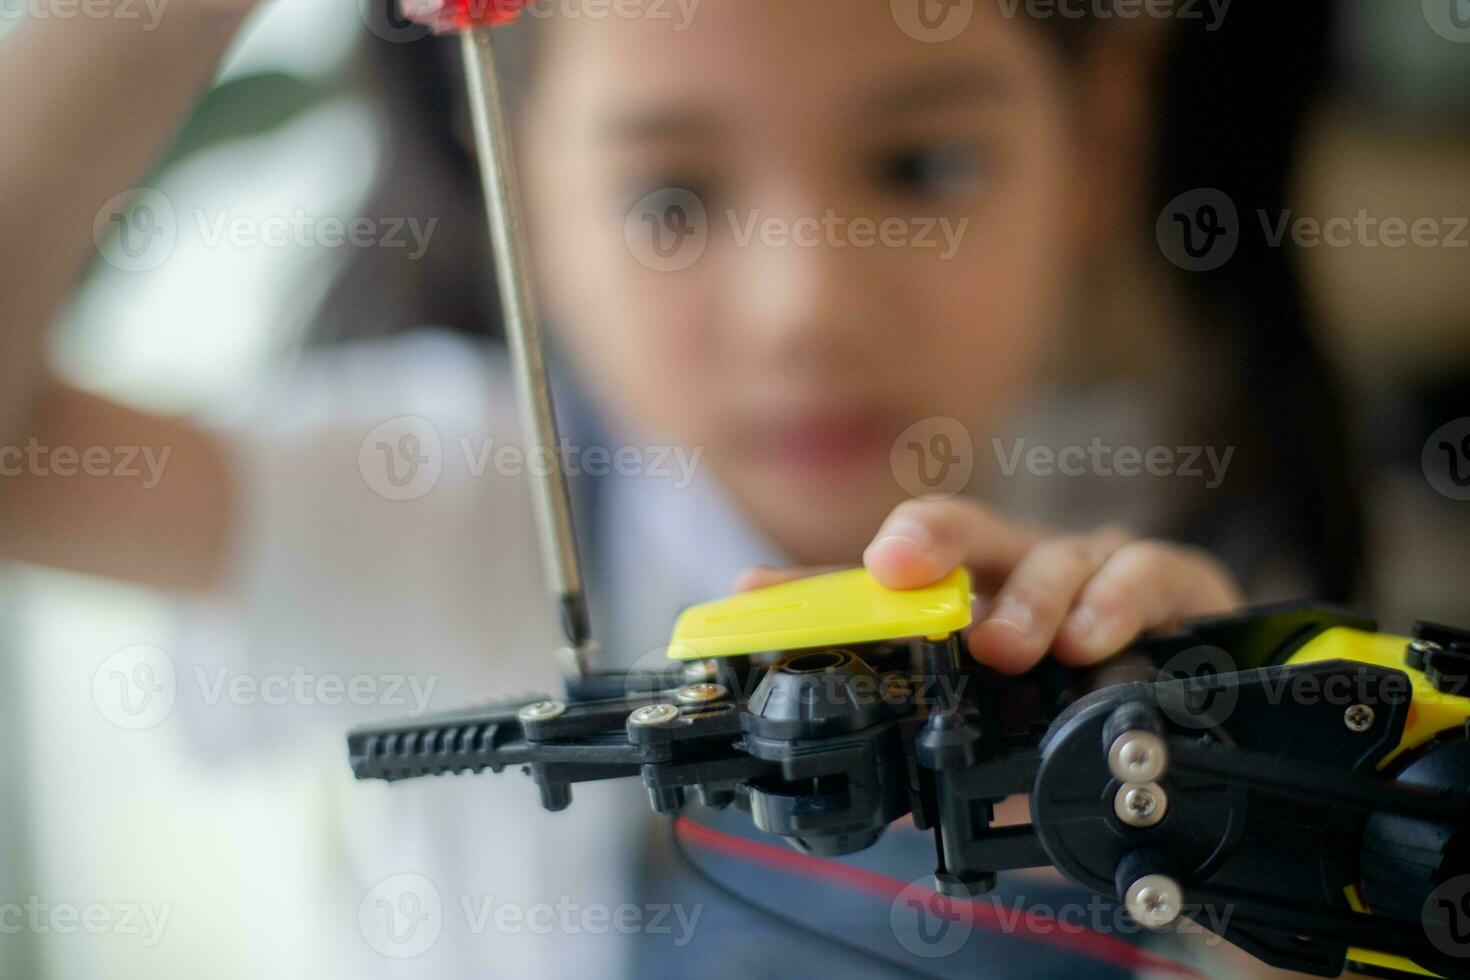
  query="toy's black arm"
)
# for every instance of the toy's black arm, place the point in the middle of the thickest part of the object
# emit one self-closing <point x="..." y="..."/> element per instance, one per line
<point x="1225" y="795"/>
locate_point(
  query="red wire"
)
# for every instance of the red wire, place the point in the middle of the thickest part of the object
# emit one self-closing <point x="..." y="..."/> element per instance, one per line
<point x="1033" y="926"/>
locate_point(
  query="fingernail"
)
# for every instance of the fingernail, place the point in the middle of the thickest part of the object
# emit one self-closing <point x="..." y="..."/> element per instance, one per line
<point x="1081" y="622"/>
<point x="910" y="531"/>
<point x="1014" y="614"/>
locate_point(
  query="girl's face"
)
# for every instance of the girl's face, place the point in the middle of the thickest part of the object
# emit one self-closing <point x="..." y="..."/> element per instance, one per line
<point x="856" y="231"/>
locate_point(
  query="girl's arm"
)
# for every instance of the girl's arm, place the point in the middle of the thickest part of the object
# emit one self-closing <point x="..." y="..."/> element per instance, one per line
<point x="90" y="103"/>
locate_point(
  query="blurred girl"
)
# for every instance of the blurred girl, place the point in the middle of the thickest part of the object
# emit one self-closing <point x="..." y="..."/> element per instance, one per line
<point x="803" y="368"/>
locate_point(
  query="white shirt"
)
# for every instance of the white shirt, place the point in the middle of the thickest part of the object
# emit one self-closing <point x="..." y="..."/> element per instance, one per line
<point x="429" y="604"/>
<point x="422" y="586"/>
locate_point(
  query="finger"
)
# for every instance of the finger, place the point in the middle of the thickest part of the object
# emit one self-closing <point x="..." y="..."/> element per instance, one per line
<point x="1145" y="585"/>
<point x="761" y="577"/>
<point x="1028" y="611"/>
<point x="924" y="540"/>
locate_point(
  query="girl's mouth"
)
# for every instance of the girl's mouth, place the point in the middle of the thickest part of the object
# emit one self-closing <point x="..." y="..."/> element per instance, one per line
<point x="827" y="443"/>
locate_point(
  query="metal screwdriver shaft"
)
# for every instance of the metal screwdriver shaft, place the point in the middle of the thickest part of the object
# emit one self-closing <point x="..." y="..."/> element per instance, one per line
<point x="502" y="198"/>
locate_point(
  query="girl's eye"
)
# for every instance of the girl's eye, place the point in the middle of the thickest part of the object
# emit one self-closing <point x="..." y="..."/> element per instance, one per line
<point x="683" y="196"/>
<point x="949" y="170"/>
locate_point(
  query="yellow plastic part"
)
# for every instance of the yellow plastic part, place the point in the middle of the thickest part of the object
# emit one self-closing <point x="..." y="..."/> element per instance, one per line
<point x="1387" y="961"/>
<point x="1430" y="713"/>
<point x="828" y="610"/>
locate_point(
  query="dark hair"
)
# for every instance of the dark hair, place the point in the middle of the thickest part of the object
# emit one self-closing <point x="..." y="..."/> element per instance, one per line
<point x="1231" y="102"/>
<point x="1232" y="111"/>
<point x="428" y="171"/>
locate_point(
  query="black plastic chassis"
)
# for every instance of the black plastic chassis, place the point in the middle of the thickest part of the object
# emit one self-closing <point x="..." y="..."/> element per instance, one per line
<point x="1268" y="813"/>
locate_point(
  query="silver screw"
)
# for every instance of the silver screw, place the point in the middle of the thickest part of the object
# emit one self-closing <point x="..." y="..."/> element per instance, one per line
<point x="701" y="693"/>
<point x="1140" y="804"/>
<point x="1358" y="718"/>
<point x="1424" y="647"/>
<point x="654" y="715"/>
<point x="1155" y="901"/>
<point x="1138" y="757"/>
<point x="541" y="711"/>
<point x="699" y="672"/>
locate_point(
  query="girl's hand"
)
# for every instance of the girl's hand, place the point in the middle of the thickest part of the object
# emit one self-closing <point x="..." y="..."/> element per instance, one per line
<point x="1083" y="597"/>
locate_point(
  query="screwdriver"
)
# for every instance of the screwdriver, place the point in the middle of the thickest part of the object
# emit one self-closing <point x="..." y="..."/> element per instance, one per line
<point x="472" y="20"/>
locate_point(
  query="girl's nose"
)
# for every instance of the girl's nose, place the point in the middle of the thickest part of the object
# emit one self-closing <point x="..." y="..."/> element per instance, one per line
<point x="798" y="287"/>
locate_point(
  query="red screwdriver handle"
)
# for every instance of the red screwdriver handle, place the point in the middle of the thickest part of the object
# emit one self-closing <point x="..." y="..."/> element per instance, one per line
<point x="454" y="16"/>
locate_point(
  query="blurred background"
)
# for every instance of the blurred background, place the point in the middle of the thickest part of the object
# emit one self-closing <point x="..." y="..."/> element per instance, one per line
<point x="318" y="111"/>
